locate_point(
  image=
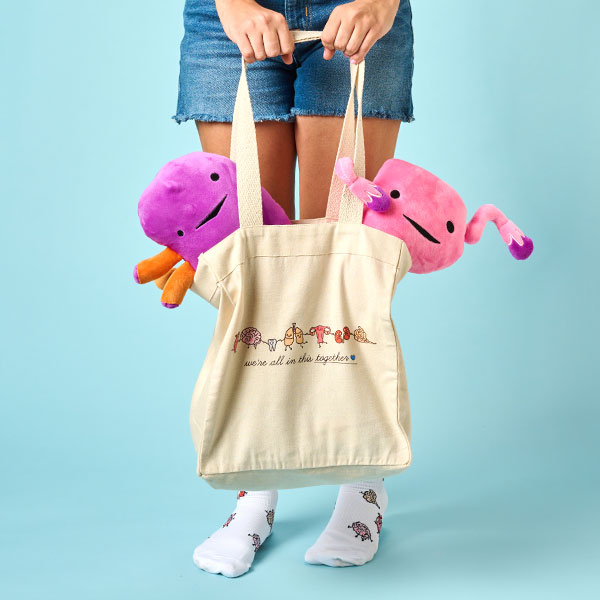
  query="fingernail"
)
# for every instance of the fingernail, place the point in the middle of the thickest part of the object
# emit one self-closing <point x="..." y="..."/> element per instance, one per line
<point x="353" y="61"/>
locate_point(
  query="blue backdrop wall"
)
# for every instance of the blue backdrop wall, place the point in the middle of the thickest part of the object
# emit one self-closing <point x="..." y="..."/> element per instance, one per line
<point x="99" y="495"/>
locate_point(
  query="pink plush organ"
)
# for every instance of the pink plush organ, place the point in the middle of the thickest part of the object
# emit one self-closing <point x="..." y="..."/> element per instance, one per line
<point x="425" y="212"/>
<point x="431" y="218"/>
<point x="191" y="205"/>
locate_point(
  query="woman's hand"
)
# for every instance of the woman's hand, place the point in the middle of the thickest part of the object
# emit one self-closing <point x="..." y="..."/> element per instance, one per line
<point x="353" y="28"/>
<point x="257" y="31"/>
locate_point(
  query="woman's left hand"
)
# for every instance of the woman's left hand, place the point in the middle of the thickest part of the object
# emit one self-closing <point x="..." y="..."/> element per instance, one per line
<point x="353" y="28"/>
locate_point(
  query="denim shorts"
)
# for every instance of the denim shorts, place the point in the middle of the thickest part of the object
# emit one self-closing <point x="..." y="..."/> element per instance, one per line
<point x="210" y="69"/>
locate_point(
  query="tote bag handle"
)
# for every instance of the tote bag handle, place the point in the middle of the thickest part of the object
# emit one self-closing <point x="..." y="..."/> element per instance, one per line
<point x="342" y="205"/>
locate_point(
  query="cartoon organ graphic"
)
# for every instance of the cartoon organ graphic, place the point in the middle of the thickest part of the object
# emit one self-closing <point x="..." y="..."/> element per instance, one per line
<point x="341" y="335"/>
<point x="320" y="331"/>
<point x="255" y="540"/>
<point x="379" y="523"/>
<point x="361" y="336"/>
<point x="231" y="518"/>
<point x="250" y="336"/>
<point x="293" y="334"/>
<point x="270" y="517"/>
<point x="360" y="529"/>
<point x="371" y="497"/>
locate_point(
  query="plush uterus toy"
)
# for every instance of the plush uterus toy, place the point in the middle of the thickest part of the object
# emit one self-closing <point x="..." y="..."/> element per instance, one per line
<point x="190" y="206"/>
<point x="428" y="215"/>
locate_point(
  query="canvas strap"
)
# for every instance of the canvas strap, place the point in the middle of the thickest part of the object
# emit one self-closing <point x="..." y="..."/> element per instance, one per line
<point x="342" y="205"/>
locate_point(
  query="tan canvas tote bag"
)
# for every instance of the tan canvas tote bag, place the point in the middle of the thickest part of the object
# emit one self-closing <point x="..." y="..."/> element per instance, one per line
<point x="303" y="383"/>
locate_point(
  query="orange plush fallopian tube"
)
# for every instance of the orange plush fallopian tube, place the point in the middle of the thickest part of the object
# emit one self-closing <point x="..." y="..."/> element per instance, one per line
<point x="177" y="285"/>
<point x="154" y="267"/>
<point x="162" y="280"/>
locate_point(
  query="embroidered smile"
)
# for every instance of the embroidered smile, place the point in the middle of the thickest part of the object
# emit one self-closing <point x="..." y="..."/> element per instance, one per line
<point x="421" y="230"/>
<point x="213" y="213"/>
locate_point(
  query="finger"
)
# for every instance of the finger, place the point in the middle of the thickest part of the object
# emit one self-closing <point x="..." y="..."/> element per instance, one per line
<point x="286" y="43"/>
<point x="271" y="43"/>
<point x="355" y="41"/>
<point x="256" y="39"/>
<point x="343" y="36"/>
<point x="367" y="44"/>
<point x="243" y="43"/>
<point x="329" y="34"/>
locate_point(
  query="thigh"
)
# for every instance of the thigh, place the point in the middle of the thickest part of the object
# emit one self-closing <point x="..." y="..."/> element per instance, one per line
<point x="317" y="142"/>
<point x="276" y="155"/>
<point x="210" y="66"/>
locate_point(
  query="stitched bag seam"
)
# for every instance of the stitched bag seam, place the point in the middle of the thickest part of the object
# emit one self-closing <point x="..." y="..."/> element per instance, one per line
<point x="385" y="262"/>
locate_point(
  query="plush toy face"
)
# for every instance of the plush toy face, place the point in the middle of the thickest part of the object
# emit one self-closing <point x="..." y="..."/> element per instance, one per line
<point x="425" y="212"/>
<point x="191" y="205"/>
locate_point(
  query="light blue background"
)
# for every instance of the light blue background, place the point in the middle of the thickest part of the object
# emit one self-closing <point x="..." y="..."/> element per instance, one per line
<point x="99" y="494"/>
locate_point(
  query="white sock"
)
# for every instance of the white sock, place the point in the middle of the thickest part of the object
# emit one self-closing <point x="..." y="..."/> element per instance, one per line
<point x="352" y="534"/>
<point x="230" y="550"/>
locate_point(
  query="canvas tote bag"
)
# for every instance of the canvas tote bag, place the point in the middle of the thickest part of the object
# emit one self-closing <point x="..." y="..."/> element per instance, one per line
<point x="303" y="382"/>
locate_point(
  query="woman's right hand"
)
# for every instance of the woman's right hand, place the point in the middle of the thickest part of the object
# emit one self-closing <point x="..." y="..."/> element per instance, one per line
<point x="257" y="31"/>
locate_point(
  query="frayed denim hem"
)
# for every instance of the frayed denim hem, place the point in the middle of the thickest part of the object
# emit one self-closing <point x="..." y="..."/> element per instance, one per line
<point x="214" y="119"/>
<point x="378" y="114"/>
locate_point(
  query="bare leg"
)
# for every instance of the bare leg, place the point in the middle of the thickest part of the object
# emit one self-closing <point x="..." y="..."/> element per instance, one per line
<point x="317" y="141"/>
<point x="276" y="155"/>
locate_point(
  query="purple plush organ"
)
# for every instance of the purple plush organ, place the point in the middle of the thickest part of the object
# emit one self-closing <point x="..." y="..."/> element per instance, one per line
<point x="191" y="205"/>
<point x="521" y="252"/>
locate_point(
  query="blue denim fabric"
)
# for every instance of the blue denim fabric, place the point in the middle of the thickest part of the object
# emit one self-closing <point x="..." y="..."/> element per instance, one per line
<point x="210" y="69"/>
